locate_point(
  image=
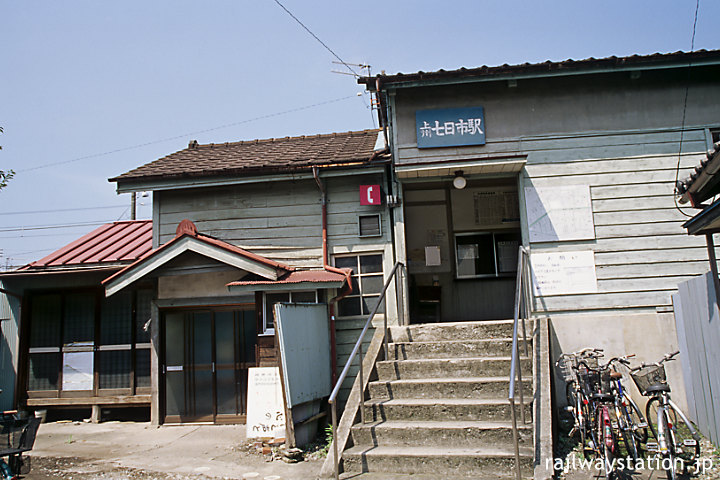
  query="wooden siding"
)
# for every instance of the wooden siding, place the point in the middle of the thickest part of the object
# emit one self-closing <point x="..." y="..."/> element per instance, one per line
<point x="282" y="221"/>
<point x="641" y="250"/>
<point x="279" y="220"/>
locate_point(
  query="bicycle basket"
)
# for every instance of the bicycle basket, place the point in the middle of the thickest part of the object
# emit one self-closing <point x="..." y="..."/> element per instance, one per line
<point x="567" y="367"/>
<point x="589" y="379"/>
<point x="11" y="434"/>
<point x="605" y="382"/>
<point x="647" y="376"/>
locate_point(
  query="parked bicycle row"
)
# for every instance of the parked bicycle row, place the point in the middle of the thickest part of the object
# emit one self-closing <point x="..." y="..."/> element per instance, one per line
<point x="611" y="426"/>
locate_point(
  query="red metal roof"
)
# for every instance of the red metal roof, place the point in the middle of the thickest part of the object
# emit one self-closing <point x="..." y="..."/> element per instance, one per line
<point x="111" y="244"/>
<point x="186" y="228"/>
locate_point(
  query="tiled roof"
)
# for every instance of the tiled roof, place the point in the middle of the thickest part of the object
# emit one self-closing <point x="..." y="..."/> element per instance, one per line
<point x="566" y="66"/>
<point x="702" y="183"/>
<point x="257" y="156"/>
<point x="116" y="243"/>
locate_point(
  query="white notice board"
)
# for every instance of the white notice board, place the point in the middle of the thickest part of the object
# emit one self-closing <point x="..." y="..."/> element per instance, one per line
<point x="559" y="213"/>
<point x="265" y="405"/>
<point x="559" y="273"/>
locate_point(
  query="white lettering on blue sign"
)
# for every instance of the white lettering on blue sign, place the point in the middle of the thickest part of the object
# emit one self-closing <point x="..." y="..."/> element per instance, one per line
<point x="471" y="126"/>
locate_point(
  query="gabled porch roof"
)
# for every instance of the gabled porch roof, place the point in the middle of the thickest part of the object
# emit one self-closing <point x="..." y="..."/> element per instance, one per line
<point x="187" y="239"/>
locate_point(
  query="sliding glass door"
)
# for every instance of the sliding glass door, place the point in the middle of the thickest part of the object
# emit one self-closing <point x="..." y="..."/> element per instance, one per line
<point x="207" y="354"/>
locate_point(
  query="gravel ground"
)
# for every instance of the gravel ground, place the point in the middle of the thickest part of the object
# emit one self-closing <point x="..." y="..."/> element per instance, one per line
<point x="137" y="450"/>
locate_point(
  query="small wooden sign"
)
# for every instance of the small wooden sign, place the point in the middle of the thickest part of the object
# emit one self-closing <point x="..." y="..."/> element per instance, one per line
<point x="265" y="404"/>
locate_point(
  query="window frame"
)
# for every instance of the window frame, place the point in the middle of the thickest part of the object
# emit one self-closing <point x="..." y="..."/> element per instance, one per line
<point x="370" y="235"/>
<point x="358" y="276"/>
<point x="496" y="262"/>
<point x="265" y="331"/>
<point x="98" y="346"/>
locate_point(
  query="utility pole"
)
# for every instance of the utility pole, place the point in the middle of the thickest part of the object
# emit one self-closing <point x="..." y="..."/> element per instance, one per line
<point x="133" y="205"/>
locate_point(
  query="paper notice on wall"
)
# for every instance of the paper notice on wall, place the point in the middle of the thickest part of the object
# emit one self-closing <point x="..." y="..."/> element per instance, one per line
<point x="78" y="371"/>
<point x="559" y="213"/>
<point x="559" y="273"/>
<point x="432" y="256"/>
<point x="507" y="255"/>
<point x="265" y="404"/>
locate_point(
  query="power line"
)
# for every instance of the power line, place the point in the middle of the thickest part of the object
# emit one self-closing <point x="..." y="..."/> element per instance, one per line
<point x="63" y="210"/>
<point x="185" y="135"/>
<point x="21" y="228"/>
<point x="316" y="38"/>
<point x="41" y="235"/>
<point x="682" y="127"/>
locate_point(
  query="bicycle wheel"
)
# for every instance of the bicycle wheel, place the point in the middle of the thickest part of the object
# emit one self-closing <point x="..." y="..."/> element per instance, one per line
<point x="605" y="448"/>
<point x="571" y="398"/>
<point x="586" y="428"/>
<point x="651" y="416"/>
<point x="685" y="445"/>
<point x="635" y="417"/>
<point x="625" y="431"/>
<point x="668" y="457"/>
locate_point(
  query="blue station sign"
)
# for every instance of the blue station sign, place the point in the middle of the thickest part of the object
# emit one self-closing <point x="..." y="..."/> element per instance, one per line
<point x="450" y="127"/>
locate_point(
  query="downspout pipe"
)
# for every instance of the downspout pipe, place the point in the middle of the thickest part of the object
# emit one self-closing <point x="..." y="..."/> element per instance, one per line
<point x="381" y="116"/>
<point x="326" y="266"/>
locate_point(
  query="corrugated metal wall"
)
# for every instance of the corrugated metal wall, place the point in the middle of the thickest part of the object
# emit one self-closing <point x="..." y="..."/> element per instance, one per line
<point x="9" y="308"/>
<point x="697" y="317"/>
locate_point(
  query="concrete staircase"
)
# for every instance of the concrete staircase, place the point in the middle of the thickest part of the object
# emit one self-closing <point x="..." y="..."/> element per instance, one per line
<point x="439" y="406"/>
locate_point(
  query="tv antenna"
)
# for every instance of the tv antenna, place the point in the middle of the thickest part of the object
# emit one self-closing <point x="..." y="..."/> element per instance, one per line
<point x="359" y="65"/>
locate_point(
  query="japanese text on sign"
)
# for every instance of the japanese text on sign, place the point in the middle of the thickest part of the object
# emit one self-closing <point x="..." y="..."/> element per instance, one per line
<point x="450" y="127"/>
<point x="471" y="126"/>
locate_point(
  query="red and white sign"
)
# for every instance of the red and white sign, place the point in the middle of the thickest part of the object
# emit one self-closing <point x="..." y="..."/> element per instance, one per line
<point x="370" y="195"/>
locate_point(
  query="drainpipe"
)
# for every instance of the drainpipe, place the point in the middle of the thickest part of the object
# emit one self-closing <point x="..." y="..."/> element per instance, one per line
<point x="326" y="266"/>
<point x="380" y="112"/>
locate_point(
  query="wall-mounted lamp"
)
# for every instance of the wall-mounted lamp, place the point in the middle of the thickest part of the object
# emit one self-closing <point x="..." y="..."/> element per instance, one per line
<point x="459" y="181"/>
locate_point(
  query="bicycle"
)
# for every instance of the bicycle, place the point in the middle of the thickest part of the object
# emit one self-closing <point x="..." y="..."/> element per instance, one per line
<point x="631" y="426"/>
<point x="17" y="436"/>
<point x="598" y="389"/>
<point x="676" y="440"/>
<point x="577" y="402"/>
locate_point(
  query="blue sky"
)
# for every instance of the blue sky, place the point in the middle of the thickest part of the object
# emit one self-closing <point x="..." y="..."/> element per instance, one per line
<point x="82" y="78"/>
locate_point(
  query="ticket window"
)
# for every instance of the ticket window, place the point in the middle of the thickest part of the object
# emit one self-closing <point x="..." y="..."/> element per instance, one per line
<point x="486" y="254"/>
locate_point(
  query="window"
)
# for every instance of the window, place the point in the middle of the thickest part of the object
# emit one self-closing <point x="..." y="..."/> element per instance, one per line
<point x="75" y="346"/>
<point x="367" y="283"/>
<point x="487" y="254"/>
<point x="369" y="226"/>
<point x="270" y="299"/>
<point x="714" y="136"/>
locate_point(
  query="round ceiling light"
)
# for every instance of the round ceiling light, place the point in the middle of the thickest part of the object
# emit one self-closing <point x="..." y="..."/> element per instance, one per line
<point x="459" y="181"/>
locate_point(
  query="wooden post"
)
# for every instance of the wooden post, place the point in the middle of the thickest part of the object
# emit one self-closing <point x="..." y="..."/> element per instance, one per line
<point x="96" y="416"/>
<point x="289" y="421"/>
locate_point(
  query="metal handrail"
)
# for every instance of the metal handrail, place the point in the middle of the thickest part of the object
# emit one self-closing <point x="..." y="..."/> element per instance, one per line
<point x="346" y="369"/>
<point x="522" y="298"/>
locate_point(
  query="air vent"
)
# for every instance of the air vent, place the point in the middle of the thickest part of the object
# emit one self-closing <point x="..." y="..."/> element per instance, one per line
<point x="369" y="225"/>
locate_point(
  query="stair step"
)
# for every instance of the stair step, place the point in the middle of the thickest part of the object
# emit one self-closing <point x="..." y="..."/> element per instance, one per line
<point x="430" y="332"/>
<point x="423" y="409"/>
<point x="453" y="349"/>
<point x="480" y="463"/>
<point x="445" y="434"/>
<point x="408" y="476"/>
<point x="442" y="367"/>
<point x="465" y="387"/>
